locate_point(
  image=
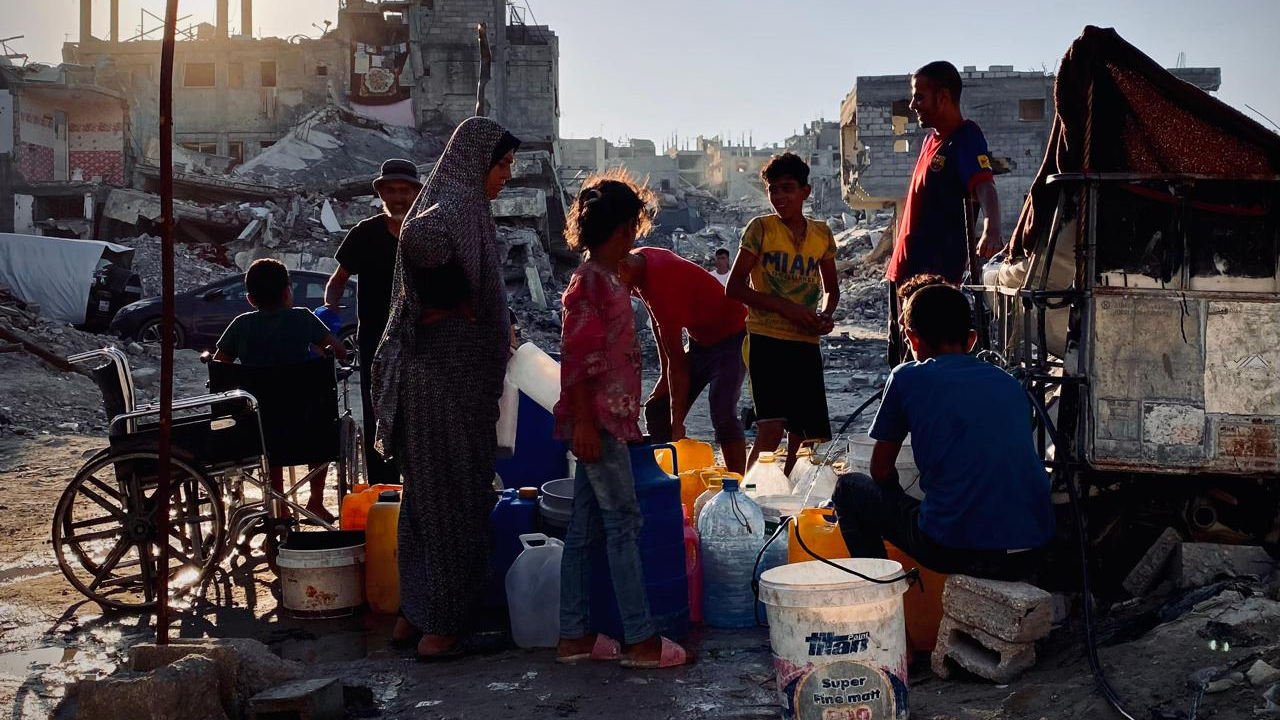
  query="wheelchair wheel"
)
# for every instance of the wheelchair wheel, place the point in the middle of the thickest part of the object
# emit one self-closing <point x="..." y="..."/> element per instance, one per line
<point x="350" y="453"/>
<point x="106" y="535"/>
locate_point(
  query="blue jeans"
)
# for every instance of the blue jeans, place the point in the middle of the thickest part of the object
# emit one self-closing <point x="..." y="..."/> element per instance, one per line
<point x="605" y="508"/>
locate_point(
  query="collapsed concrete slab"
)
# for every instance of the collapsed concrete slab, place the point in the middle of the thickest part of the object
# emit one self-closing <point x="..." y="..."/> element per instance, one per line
<point x="244" y="667"/>
<point x="187" y="688"/>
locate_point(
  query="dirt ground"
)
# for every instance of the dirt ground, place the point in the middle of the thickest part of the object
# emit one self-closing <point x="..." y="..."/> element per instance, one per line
<point x="50" y="636"/>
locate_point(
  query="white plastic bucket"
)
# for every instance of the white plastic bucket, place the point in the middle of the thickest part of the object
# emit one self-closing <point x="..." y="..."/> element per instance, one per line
<point x="839" y="642"/>
<point x="536" y="374"/>
<point x="322" y="576"/>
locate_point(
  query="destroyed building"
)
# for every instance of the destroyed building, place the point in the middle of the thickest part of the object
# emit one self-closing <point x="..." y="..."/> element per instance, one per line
<point x="819" y="144"/>
<point x="404" y="63"/>
<point x="580" y="158"/>
<point x="63" y="144"/>
<point x="880" y="138"/>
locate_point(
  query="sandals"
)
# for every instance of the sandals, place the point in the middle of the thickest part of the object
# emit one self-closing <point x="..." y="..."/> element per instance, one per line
<point x="673" y="655"/>
<point x="606" y="649"/>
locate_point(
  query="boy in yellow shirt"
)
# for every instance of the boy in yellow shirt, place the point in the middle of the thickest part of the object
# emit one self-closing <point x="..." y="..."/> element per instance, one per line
<point x="785" y="273"/>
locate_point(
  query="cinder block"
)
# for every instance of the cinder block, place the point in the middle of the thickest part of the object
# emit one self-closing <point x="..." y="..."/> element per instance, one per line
<point x="1147" y="573"/>
<point x="1199" y="564"/>
<point x="318" y="699"/>
<point x="980" y="653"/>
<point x="1012" y="611"/>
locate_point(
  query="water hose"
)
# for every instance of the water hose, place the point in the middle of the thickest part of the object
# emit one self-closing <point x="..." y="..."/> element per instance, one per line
<point x="1091" y="642"/>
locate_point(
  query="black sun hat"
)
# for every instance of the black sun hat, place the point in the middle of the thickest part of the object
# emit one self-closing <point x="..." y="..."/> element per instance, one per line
<point x="398" y="169"/>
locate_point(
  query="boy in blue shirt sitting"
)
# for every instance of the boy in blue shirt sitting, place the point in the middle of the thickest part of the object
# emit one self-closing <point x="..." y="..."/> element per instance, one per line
<point x="987" y="510"/>
<point x="276" y="333"/>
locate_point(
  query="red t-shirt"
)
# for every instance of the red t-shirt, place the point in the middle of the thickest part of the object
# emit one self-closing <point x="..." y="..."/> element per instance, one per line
<point x="682" y="295"/>
<point x="932" y="237"/>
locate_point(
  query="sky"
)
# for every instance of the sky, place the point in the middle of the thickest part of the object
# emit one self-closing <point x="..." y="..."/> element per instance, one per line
<point x="763" y="68"/>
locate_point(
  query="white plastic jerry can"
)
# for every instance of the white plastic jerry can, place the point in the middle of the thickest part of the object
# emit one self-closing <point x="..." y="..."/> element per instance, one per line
<point x="533" y="592"/>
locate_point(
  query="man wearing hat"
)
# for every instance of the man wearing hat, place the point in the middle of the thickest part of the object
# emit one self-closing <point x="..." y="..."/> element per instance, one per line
<point x="369" y="250"/>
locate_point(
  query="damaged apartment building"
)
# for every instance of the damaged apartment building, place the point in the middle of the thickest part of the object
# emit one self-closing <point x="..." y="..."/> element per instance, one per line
<point x="880" y="138"/>
<point x="405" y="63"/>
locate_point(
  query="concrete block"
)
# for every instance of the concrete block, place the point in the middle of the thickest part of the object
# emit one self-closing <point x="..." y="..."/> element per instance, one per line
<point x="979" y="652"/>
<point x="1012" y="611"/>
<point x="1199" y="564"/>
<point x="318" y="699"/>
<point x="185" y="689"/>
<point x="149" y="657"/>
<point x="1151" y="568"/>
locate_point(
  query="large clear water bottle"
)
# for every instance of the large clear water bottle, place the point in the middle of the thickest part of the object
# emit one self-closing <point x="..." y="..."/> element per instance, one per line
<point x="815" y="481"/>
<point x="731" y="528"/>
<point x="766" y="477"/>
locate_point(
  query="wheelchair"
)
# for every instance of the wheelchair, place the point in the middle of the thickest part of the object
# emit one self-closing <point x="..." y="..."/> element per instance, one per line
<point x="106" y="535"/>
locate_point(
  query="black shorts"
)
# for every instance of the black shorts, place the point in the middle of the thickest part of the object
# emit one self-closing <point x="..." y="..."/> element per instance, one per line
<point x="787" y="384"/>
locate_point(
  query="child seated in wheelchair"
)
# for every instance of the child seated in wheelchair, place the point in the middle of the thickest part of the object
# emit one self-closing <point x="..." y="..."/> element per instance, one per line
<point x="277" y="333"/>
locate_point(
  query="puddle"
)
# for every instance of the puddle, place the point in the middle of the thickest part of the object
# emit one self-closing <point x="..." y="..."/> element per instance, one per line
<point x="17" y="664"/>
<point x="28" y="566"/>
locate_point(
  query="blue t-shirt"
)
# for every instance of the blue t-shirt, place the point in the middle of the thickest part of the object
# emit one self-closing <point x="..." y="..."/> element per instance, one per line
<point x="970" y="424"/>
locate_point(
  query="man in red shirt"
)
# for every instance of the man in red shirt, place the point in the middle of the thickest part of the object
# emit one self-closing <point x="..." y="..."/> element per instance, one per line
<point x="954" y="165"/>
<point x="683" y="297"/>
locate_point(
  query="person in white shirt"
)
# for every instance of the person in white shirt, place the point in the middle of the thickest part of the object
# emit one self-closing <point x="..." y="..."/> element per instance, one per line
<point x="721" y="270"/>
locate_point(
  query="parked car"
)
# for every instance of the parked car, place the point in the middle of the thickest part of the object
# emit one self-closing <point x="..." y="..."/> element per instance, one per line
<point x="202" y="314"/>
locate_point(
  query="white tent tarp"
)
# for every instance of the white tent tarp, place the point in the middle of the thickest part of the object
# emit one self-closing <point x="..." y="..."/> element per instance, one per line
<point x="55" y="273"/>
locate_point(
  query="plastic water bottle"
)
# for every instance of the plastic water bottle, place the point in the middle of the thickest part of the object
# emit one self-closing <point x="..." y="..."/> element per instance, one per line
<point x="533" y="592"/>
<point x="731" y="529"/>
<point x="767" y="477"/>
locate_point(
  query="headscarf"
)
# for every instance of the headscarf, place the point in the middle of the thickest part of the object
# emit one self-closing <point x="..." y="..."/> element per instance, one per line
<point x="450" y="222"/>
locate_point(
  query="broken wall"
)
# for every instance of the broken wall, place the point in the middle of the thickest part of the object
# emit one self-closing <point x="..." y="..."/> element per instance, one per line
<point x="63" y="130"/>
<point x="532" y="105"/>
<point x="523" y="92"/>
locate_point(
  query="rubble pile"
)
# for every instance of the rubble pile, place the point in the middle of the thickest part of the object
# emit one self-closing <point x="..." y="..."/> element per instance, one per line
<point x="46" y="396"/>
<point x="192" y="267"/>
<point x="333" y="147"/>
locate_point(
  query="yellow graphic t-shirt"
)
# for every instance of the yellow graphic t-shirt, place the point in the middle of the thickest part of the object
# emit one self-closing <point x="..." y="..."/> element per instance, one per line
<point x="787" y="271"/>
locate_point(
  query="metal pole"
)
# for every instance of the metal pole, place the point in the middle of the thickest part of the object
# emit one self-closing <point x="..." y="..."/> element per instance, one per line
<point x="166" y="322"/>
<point x="975" y="276"/>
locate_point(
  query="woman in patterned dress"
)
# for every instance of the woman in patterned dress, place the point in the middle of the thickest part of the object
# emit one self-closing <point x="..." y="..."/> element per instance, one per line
<point x="437" y="378"/>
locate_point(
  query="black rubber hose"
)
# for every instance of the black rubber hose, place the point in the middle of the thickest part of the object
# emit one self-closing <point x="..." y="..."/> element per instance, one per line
<point x="1091" y="643"/>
